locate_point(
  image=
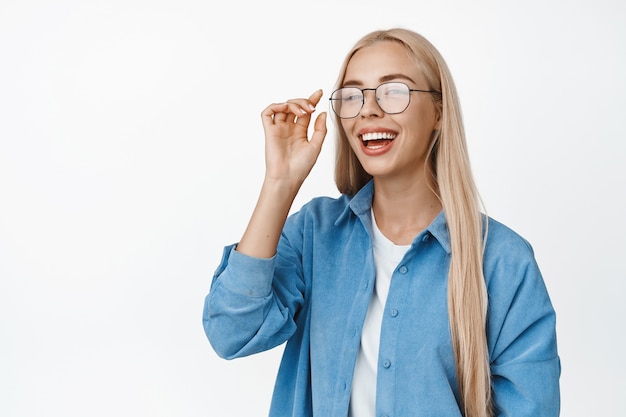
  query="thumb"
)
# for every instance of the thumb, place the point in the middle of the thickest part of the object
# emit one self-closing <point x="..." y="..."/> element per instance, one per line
<point x="319" y="130"/>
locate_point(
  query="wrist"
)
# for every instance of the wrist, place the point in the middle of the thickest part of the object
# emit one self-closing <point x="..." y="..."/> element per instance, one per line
<point x="281" y="188"/>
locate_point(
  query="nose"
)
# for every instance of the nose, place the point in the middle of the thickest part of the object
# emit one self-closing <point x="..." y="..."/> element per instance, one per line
<point x="370" y="105"/>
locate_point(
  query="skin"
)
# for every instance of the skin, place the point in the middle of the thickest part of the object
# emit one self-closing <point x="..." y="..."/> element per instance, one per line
<point x="289" y="158"/>
<point x="404" y="203"/>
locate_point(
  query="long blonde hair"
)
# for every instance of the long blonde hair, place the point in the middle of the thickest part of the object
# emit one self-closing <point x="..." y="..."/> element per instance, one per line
<point x="449" y="168"/>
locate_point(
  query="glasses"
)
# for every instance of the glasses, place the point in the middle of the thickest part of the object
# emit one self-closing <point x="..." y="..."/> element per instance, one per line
<point x="392" y="98"/>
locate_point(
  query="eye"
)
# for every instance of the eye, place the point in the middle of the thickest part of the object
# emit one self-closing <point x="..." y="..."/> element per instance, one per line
<point x="394" y="89"/>
<point x="351" y="94"/>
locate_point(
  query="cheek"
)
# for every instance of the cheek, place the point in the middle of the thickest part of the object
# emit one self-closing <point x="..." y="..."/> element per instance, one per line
<point x="346" y="126"/>
<point x="425" y="121"/>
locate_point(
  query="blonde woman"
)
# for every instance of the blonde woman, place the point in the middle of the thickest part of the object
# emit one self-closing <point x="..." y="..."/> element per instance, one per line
<point x="399" y="298"/>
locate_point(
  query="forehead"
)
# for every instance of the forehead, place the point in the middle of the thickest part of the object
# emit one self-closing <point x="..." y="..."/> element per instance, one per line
<point x="372" y="63"/>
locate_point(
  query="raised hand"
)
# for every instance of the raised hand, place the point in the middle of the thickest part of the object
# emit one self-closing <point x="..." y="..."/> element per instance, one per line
<point x="289" y="153"/>
<point x="289" y="157"/>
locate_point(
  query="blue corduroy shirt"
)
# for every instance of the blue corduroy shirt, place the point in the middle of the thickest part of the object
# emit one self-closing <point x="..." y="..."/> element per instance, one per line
<point x="314" y="294"/>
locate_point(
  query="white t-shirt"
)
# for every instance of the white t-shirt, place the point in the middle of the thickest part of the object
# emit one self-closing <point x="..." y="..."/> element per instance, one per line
<point x="387" y="255"/>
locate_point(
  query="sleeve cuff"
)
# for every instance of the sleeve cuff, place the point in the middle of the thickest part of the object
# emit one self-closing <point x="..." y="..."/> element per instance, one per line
<point x="245" y="274"/>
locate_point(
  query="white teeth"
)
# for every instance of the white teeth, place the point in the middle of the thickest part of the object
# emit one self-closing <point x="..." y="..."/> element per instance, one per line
<point x="377" y="136"/>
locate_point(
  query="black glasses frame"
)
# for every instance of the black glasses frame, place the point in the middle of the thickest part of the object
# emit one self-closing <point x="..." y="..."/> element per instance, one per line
<point x="375" y="90"/>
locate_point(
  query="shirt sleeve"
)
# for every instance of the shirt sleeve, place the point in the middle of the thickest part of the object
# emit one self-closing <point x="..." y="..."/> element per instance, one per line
<point x="251" y="304"/>
<point x="525" y="365"/>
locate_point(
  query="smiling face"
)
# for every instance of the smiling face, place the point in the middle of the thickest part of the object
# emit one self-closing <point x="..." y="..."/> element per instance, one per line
<point x="390" y="146"/>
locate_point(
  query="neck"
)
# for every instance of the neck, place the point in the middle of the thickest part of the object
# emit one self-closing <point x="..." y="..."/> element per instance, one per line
<point x="403" y="210"/>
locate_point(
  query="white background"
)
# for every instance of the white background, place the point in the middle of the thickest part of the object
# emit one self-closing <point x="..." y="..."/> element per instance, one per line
<point x="131" y="152"/>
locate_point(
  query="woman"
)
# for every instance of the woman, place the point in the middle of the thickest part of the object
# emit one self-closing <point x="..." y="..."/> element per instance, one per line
<point x="399" y="298"/>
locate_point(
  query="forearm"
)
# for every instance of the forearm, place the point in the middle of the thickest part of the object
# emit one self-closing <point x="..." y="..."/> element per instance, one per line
<point x="262" y="234"/>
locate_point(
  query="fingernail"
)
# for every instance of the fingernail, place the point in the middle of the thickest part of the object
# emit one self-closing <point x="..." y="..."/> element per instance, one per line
<point x="312" y="107"/>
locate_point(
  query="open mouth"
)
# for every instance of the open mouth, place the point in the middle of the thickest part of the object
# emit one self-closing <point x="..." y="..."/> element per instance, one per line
<point x="376" y="140"/>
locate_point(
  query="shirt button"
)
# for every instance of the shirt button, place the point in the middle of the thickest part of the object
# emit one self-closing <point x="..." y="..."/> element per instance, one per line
<point x="386" y="364"/>
<point x="426" y="237"/>
<point x="393" y="312"/>
<point x="403" y="269"/>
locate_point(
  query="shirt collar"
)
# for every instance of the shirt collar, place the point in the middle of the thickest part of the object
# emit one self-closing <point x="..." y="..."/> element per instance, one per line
<point x="439" y="229"/>
<point x="361" y="204"/>
<point x="362" y="201"/>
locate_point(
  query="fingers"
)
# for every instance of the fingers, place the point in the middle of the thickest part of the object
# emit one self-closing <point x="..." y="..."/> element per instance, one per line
<point x="306" y="106"/>
<point x="295" y="110"/>
<point x="315" y="97"/>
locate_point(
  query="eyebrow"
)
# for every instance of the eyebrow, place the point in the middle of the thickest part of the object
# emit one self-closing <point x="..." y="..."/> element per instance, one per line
<point x="384" y="78"/>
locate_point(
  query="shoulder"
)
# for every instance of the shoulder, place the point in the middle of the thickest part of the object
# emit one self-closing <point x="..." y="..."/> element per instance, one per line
<point x="317" y="222"/>
<point x="332" y="210"/>
<point x="508" y="257"/>
<point x="326" y="203"/>
<point x="501" y="239"/>
<point x="321" y="209"/>
<point x="514" y="281"/>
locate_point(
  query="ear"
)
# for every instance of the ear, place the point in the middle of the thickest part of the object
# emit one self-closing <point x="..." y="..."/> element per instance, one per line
<point x="438" y="115"/>
<point x="437" y="119"/>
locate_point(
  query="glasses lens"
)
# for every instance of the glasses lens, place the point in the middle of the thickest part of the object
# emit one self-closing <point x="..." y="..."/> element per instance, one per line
<point x="347" y="102"/>
<point x="393" y="97"/>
